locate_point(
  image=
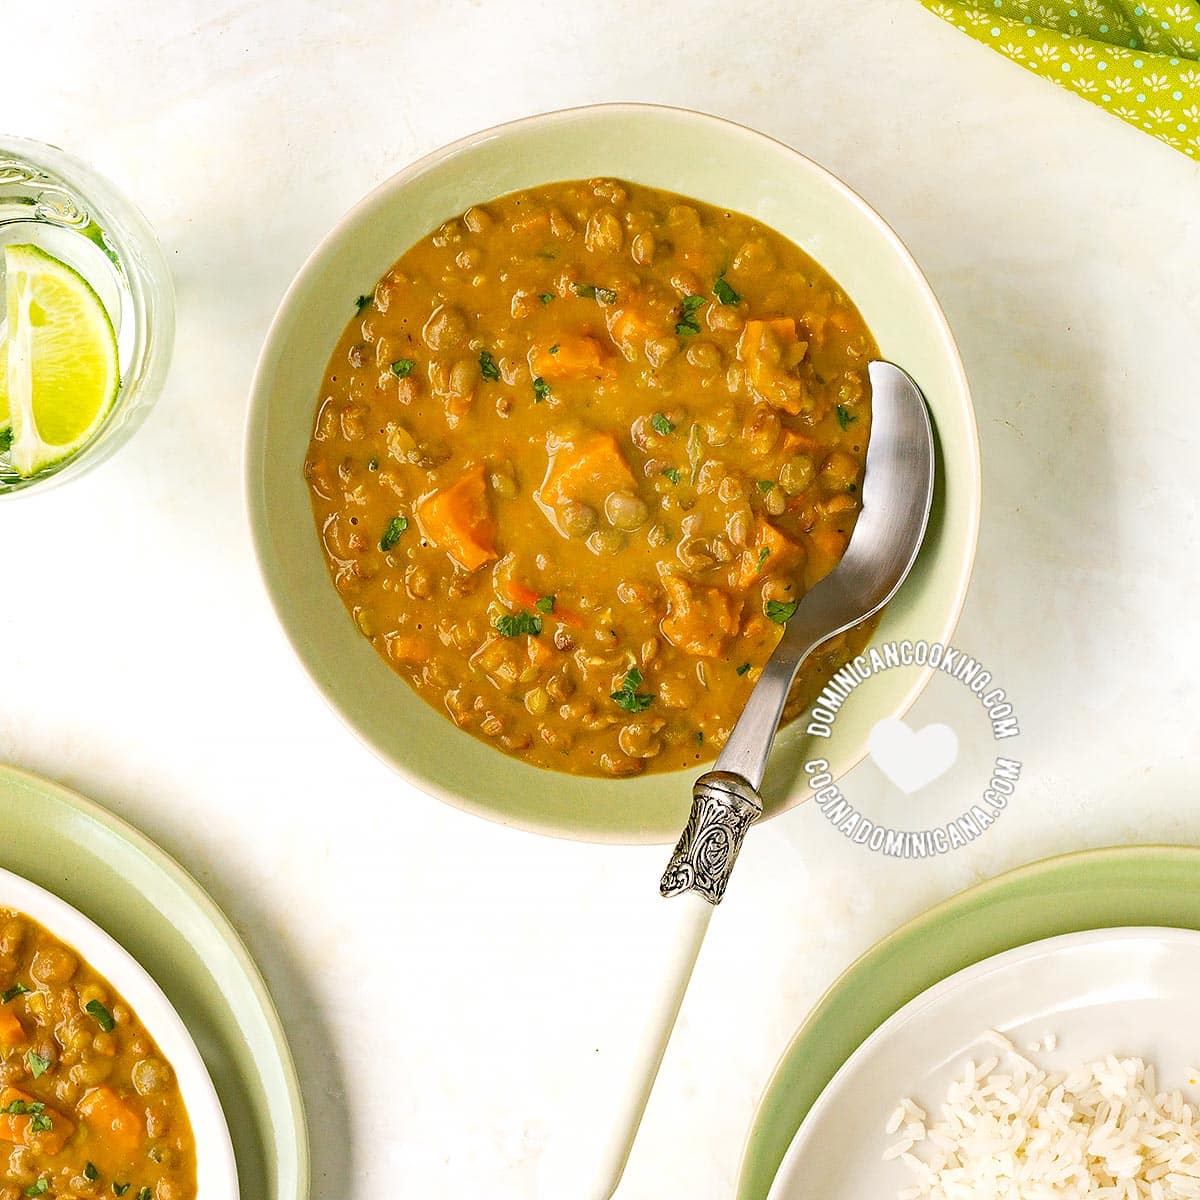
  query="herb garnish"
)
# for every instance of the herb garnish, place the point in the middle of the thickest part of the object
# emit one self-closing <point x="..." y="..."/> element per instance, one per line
<point x="119" y="1189"/>
<point x="518" y="623"/>
<point x="544" y="604"/>
<point x="554" y="348"/>
<point x="17" y="989"/>
<point x="844" y="417"/>
<point x="662" y="425"/>
<point x="362" y="302"/>
<point x="699" y="737"/>
<point x="546" y="297"/>
<point x="541" y="389"/>
<point x="40" y="1123"/>
<point x="18" y="1108"/>
<point x="628" y="697"/>
<point x="402" y="367"/>
<point x="391" y="535"/>
<point x="780" y="611"/>
<point x="743" y="668"/>
<point x="763" y="555"/>
<point x="145" y="1194"/>
<point x="373" y="464"/>
<point x="765" y="485"/>
<point x="724" y="292"/>
<point x="688" y="324"/>
<point x="90" y="1172"/>
<point x="37" y="1065"/>
<point x="6" y="439"/>
<point x="671" y="473"/>
<point x="487" y="366"/>
<point x="589" y="291"/>
<point x="38" y="1188"/>
<point x="102" y="1015"/>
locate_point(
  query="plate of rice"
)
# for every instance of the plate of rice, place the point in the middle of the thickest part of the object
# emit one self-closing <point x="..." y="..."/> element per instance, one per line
<point x="1062" y="1069"/>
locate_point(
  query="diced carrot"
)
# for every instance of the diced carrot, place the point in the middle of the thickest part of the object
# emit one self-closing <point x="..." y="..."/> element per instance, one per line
<point x="409" y="648"/>
<point x="795" y="442"/>
<point x="15" y="1127"/>
<point x="12" y="1033"/>
<point x="782" y="555"/>
<point x="572" y="356"/>
<point x="700" y="620"/>
<point x="526" y="597"/>
<point x="459" y="520"/>
<point x="771" y="351"/>
<point x="586" y="469"/>
<point x="108" y="1114"/>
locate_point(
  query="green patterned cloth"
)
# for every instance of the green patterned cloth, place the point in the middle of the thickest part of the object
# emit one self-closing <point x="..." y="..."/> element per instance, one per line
<point x="1141" y="62"/>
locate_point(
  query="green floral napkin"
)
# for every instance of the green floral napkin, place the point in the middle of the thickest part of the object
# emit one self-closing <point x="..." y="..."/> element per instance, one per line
<point x="1139" y="61"/>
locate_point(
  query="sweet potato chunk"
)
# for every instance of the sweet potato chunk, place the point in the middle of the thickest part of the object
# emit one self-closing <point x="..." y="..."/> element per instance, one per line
<point x="585" y="469"/>
<point x="771" y="351"/>
<point x="18" y="1128"/>
<point x="573" y="356"/>
<point x="630" y="328"/>
<point x="11" y="1032"/>
<point x="782" y="555"/>
<point x="700" y="620"/>
<point x="459" y="520"/>
<point x="105" y="1112"/>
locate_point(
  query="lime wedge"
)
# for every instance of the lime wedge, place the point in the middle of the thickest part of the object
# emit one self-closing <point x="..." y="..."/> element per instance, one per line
<point x="62" y="370"/>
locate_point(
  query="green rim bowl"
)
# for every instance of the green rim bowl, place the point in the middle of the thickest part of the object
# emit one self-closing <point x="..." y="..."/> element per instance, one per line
<point x="680" y="151"/>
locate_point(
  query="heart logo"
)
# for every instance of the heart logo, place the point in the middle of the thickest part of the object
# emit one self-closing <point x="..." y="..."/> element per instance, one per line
<point x="912" y="758"/>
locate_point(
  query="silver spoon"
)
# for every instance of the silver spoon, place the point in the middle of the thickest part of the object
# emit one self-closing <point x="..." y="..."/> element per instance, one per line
<point x="896" y="497"/>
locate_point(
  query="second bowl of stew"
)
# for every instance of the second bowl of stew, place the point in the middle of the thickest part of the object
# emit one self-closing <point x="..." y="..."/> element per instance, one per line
<point x="553" y="432"/>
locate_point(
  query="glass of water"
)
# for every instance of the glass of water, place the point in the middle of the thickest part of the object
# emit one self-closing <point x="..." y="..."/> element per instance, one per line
<point x="51" y="200"/>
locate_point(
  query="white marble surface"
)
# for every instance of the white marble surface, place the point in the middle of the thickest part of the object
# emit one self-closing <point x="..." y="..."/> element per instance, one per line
<point x="143" y="666"/>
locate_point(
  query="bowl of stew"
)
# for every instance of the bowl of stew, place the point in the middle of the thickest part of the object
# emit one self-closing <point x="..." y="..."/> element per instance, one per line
<point x="102" y="1090"/>
<point x="552" y="433"/>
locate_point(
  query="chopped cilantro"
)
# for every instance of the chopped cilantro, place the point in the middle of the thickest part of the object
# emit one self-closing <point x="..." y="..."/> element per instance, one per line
<point x="765" y="485"/>
<point x="763" y="555"/>
<point x="544" y="604"/>
<point x="661" y="424"/>
<point x="518" y="623"/>
<point x="38" y="1188"/>
<point x="628" y="697"/>
<point x="6" y="439"/>
<point x="391" y="535"/>
<point x="844" y="417"/>
<point x="743" y="668"/>
<point x="541" y="389"/>
<point x="688" y="324"/>
<point x="373" y="464"/>
<point x="90" y="1172"/>
<point x="589" y="291"/>
<point x="780" y="611"/>
<point x="671" y="473"/>
<point x="852" y="487"/>
<point x="38" y="1065"/>
<point x="699" y="737"/>
<point x="402" y="367"/>
<point x="554" y="348"/>
<point x="362" y="302"/>
<point x="17" y="989"/>
<point x="546" y="297"/>
<point x="101" y="1014"/>
<point x="487" y="366"/>
<point x="724" y="292"/>
<point x="40" y="1123"/>
<point x="145" y="1194"/>
<point x="119" y="1189"/>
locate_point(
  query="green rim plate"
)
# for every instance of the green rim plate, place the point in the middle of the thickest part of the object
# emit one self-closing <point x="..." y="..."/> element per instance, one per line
<point x="156" y="910"/>
<point x="1092" y="889"/>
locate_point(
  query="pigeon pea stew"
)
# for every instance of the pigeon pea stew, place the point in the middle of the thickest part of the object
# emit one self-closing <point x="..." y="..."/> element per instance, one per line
<point x="577" y="457"/>
<point x="88" y="1105"/>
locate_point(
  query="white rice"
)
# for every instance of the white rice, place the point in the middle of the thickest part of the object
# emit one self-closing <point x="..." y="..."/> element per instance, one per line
<point x="1009" y="1130"/>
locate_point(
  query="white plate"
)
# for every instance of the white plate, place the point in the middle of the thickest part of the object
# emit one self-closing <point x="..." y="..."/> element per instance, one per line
<point x="1123" y="991"/>
<point x="216" y="1169"/>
